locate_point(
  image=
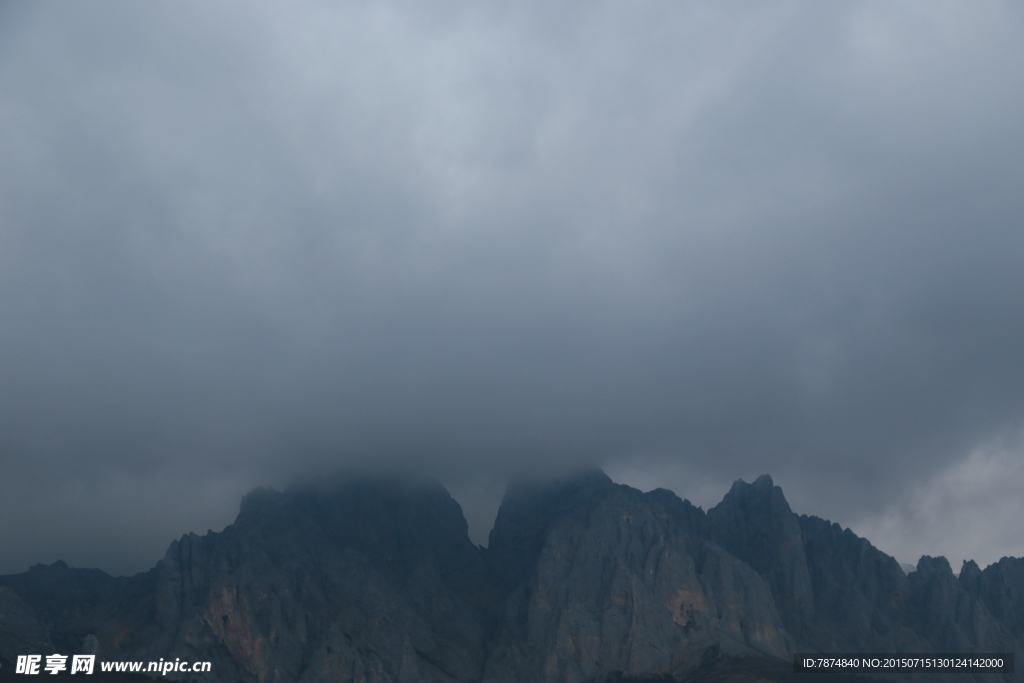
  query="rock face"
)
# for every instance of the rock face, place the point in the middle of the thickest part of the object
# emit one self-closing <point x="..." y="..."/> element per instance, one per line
<point x="754" y="523"/>
<point x="375" y="580"/>
<point x="861" y="595"/>
<point x="20" y="629"/>
<point x="598" y="577"/>
<point x="70" y="604"/>
<point x="371" y="580"/>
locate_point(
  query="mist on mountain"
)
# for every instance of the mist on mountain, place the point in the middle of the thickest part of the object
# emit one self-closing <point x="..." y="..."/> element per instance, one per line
<point x="375" y="578"/>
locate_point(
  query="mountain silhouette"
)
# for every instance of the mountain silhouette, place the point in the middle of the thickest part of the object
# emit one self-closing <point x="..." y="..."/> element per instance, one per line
<point x="375" y="579"/>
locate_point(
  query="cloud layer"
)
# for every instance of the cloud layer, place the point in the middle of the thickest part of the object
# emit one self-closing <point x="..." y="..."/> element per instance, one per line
<point x="244" y="244"/>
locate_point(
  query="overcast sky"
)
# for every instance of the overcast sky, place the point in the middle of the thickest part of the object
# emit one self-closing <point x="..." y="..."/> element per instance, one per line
<point x="688" y="242"/>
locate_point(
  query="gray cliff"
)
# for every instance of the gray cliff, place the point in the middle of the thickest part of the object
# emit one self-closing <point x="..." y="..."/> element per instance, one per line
<point x="375" y="580"/>
<point x="601" y="578"/>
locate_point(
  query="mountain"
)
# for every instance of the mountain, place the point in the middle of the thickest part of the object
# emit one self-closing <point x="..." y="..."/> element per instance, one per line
<point x="375" y="579"/>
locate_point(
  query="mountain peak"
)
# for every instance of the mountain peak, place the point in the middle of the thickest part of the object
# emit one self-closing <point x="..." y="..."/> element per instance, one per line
<point x="529" y="508"/>
<point x="755" y="523"/>
<point x="763" y="483"/>
<point x="374" y="577"/>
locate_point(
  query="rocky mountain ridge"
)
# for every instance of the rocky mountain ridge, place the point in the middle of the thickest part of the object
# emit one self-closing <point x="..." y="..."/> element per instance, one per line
<point x="375" y="579"/>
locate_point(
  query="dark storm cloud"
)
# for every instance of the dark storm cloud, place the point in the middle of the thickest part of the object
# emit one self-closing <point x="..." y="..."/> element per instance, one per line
<point x="239" y="245"/>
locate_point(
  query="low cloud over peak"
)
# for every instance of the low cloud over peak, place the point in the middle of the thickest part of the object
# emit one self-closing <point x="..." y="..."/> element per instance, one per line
<point x="242" y="245"/>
